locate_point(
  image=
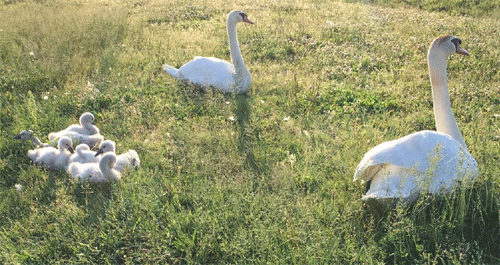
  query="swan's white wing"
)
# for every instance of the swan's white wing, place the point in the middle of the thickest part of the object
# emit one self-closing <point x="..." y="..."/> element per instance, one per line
<point x="209" y="71"/>
<point x="420" y="152"/>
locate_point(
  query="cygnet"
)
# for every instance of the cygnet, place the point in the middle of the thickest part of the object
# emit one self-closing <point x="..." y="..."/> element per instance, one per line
<point x="96" y="172"/>
<point x="83" y="155"/>
<point x="86" y="127"/>
<point x="123" y="161"/>
<point x="27" y="135"/>
<point x="52" y="158"/>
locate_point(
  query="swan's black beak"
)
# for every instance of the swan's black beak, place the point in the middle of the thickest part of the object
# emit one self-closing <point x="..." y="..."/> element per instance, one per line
<point x="98" y="152"/>
<point x="17" y="137"/>
<point x="70" y="149"/>
<point x="461" y="50"/>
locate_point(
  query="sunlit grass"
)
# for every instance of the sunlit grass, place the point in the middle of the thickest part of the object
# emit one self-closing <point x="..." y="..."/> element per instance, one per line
<point x="259" y="178"/>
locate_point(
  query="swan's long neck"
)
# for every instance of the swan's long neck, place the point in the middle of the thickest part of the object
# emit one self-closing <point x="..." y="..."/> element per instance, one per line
<point x="36" y="141"/>
<point x="445" y="121"/>
<point x="79" y="151"/>
<point x="104" y="166"/>
<point x="240" y="68"/>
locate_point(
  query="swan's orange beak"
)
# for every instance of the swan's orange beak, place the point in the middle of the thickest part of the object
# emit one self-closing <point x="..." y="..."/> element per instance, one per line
<point x="461" y="50"/>
<point x="245" y="19"/>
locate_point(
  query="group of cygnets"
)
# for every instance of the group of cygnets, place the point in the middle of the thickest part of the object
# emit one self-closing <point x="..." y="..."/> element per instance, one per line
<point x="84" y="164"/>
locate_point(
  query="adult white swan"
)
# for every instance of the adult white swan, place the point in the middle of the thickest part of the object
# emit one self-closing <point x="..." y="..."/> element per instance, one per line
<point x="221" y="75"/>
<point x="428" y="160"/>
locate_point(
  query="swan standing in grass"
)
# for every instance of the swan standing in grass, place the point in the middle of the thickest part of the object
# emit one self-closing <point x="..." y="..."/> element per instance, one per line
<point x="27" y="135"/>
<point x="96" y="172"/>
<point x="123" y="161"/>
<point x="83" y="155"/>
<point x="52" y="158"/>
<point x="221" y="75"/>
<point x="86" y="127"/>
<point x="431" y="161"/>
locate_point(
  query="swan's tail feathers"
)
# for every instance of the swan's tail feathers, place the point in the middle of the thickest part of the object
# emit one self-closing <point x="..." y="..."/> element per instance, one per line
<point x="134" y="159"/>
<point x="73" y="170"/>
<point x="33" y="155"/>
<point x="171" y="71"/>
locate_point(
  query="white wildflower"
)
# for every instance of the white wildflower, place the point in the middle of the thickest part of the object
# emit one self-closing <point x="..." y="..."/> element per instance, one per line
<point x="19" y="187"/>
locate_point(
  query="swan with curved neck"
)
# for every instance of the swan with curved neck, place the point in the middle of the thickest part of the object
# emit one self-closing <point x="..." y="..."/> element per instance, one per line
<point x="52" y="158"/>
<point x="100" y="172"/>
<point x="86" y="127"/>
<point x="83" y="155"/>
<point x="126" y="160"/>
<point x="431" y="161"/>
<point x="219" y="74"/>
<point x="438" y="53"/>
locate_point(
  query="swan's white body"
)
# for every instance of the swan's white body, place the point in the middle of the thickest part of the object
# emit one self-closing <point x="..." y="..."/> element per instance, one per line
<point x="83" y="155"/>
<point x="52" y="158"/>
<point x="96" y="172"/>
<point x="212" y="72"/>
<point x="86" y="127"/>
<point x="27" y="135"/>
<point x="431" y="161"/>
<point x="425" y="160"/>
<point x="124" y="161"/>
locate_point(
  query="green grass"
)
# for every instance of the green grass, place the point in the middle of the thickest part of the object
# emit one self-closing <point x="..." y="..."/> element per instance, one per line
<point x="259" y="178"/>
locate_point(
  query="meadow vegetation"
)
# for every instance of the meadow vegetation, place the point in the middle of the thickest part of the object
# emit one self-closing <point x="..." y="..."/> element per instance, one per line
<point x="243" y="179"/>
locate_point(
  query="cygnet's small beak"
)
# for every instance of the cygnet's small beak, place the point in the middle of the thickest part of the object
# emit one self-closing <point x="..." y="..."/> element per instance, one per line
<point x="17" y="137"/>
<point x="70" y="149"/>
<point x="98" y="152"/>
<point x="461" y="50"/>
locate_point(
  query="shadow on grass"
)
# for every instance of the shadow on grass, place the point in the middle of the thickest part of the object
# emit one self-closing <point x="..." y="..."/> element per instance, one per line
<point x="95" y="198"/>
<point x="246" y="138"/>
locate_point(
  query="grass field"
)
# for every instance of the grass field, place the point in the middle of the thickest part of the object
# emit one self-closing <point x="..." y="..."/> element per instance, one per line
<point x="243" y="179"/>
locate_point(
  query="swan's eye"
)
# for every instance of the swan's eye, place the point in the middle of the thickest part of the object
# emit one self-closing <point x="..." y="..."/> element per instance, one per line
<point x="456" y="42"/>
<point x="243" y="15"/>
